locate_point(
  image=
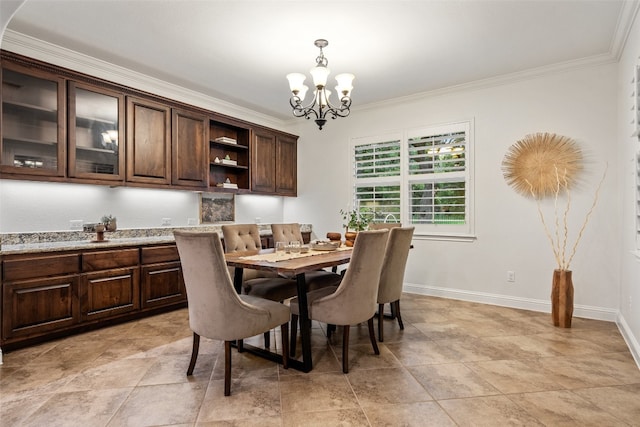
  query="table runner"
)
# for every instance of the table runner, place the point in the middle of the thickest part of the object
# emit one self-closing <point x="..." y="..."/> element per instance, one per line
<point x="283" y="256"/>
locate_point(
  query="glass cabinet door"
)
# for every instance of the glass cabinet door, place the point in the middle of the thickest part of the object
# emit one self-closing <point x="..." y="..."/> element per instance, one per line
<point x="33" y="138"/>
<point x="96" y="120"/>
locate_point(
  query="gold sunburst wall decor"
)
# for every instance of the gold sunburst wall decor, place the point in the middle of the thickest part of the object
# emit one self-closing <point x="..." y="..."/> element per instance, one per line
<point x="535" y="165"/>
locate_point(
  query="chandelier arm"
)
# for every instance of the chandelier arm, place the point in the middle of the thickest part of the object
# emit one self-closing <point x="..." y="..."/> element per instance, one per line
<point x="300" y="111"/>
<point x="335" y="112"/>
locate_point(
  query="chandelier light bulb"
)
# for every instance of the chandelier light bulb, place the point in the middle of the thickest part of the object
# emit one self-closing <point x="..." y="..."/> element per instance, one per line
<point x="320" y="75"/>
<point x="345" y="85"/>
<point x="303" y="92"/>
<point x="322" y="96"/>
<point x="296" y="82"/>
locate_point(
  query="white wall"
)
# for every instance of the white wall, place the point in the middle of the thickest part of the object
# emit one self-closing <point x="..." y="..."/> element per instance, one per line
<point x="580" y="104"/>
<point x="38" y="206"/>
<point x="627" y="147"/>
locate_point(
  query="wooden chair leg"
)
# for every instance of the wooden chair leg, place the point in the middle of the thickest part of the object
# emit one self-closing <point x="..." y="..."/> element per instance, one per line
<point x="345" y="348"/>
<point x="294" y="335"/>
<point x="240" y="345"/>
<point x="194" y="353"/>
<point x="397" y="304"/>
<point x="227" y="368"/>
<point x="284" y="332"/>
<point x="380" y="325"/>
<point x="267" y="339"/>
<point x="372" y="336"/>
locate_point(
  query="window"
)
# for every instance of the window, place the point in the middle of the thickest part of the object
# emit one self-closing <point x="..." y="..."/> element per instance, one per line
<point x="419" y="177"/>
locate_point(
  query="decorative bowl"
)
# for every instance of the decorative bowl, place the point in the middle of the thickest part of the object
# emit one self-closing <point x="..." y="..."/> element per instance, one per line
<point x="323" y="245"/>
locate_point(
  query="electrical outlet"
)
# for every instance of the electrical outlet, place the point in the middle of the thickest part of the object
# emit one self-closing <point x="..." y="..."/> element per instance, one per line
<point x="76" y="224"/>
<point x="191" y="221"/>
<point x="166" y="222"/>
<point x="511" y="276"/>
<point x="258" y="220"/>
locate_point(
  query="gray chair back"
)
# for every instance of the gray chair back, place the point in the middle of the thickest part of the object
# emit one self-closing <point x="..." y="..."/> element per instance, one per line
<point x="382" y="225"/>
<point x="244" y="237"/>
<point x="286" y="232"/>
<point x="394" y="263"/>
<point x="241" y="237"/>
<point x="215" y="309"/>
<point x="355" y="299"/>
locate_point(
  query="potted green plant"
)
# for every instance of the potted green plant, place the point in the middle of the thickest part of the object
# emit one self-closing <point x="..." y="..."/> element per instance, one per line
<point x="109" y="222"/>
<point x="355" y="220"/>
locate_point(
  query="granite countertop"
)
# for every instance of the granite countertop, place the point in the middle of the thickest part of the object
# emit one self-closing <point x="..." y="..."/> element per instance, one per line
<point x="23" y="243"/>
<point x="72" y="245"/>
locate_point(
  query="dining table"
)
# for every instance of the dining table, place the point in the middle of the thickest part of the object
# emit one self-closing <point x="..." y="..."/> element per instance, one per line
<point x="288" y="265"/>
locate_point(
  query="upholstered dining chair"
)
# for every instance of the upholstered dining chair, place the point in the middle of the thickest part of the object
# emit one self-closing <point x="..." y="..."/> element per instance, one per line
<point x="314" y="279"/>
<point x="383" y="225"/>
<point x="263" y="284"/>
<point x="244" y="237"/>
<point x="392" y="275"/>
<point x="354" y="300"/>
<point x="216" y="311"/>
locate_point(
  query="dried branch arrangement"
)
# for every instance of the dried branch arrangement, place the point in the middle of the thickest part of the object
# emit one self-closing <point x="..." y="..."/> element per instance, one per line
<point x="543" y="165"/>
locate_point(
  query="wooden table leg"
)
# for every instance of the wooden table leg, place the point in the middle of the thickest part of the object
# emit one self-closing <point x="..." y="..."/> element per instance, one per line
<point x="237" y="279"/>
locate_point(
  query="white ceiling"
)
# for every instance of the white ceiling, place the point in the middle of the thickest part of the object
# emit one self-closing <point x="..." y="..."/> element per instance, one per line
<point x="240" y="51"/>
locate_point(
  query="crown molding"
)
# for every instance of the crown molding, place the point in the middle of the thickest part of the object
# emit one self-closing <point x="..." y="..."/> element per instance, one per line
<point x="47" y="52"/>
<point x="626" y="20"/>
<point x="495" y="81"/>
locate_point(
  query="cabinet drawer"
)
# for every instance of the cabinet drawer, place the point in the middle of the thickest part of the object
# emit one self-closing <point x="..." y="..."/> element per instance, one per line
<point x="31" y="268"/>
<point x="158" y="254"/>
<point x="104" y="260"/>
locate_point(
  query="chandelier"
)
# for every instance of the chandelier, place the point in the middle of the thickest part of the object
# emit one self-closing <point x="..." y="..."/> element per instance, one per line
<point x="320" y="106"/>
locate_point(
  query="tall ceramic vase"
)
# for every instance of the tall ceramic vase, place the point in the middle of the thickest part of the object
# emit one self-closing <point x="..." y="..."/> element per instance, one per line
<point x="562" y="298"/>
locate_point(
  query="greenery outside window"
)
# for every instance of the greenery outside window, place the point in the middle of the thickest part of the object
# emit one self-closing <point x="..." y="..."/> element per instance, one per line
<point x="419" y="177"/>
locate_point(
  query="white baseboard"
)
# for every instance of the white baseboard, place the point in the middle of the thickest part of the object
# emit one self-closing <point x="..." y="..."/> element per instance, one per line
<point x="631" y="341"/>
<point x="588" y="312"/>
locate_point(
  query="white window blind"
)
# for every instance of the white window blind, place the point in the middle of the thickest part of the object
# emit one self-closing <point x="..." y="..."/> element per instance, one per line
<point x="377" y="172"/>
<point x="437" y="182"/>
<point x="419" y="177"/>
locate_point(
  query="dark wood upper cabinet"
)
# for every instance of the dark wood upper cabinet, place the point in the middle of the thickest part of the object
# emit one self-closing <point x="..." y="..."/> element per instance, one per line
<point x="148" y="141"/>
<point x="33" y="122"/>
<point x="61" y="125"/>
<point x="286" y="165"/>
<point x="263" y="162"/>
<point x="190" y="148"/>
<point x="96" y="133"/>
<point x="273" y="163"/>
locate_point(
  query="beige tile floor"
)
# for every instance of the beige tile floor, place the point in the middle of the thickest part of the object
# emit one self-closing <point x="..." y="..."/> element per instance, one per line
<point x="455" y="364"/>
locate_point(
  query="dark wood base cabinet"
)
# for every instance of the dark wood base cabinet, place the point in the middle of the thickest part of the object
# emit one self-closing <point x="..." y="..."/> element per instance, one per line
<point x="52" y="295"/>
<point x="37" y="307"/>
<point x="162" y="281"/>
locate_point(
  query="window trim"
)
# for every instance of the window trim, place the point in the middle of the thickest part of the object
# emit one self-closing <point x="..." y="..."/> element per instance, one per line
<point x="447" y="232"/>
